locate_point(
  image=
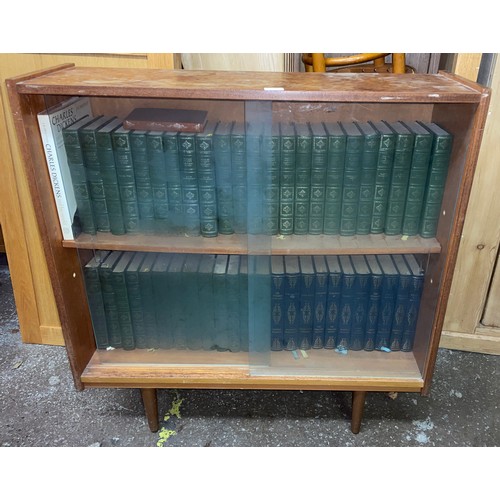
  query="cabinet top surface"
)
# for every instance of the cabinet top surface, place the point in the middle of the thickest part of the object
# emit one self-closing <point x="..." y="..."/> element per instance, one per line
<point x="341" y="87"/>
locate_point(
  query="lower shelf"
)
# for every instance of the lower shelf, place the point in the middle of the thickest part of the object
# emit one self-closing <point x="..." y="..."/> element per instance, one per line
<point x="321" y="370"/>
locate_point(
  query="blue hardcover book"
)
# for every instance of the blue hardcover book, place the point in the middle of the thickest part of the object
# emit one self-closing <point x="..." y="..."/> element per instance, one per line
<point x="243" y="300"/>
<point x="376" y="279"/>
<point x="333" y="301"/>
<point x="190" y="303"/>
<point x="206" y="316"/>
<point x="387" y="302"/>
<point x="417" y="283"/>
<point x="233" y="303"/>
<point x="148" y="298"/>
<point x="176" y="296"/>
<point x="307" y="289"/>
<point x="320" y="296"/>
<point x="259" y="277"/>
<point x="360" y="304"/>
<point x="292" y="303"/>
<point x="136" y="302"/>
<point x="271" y="156"/>
<point x="220" y="304"/>
<point x="255" y="177"/>
<point x="239" y="177"/>
<point x="401" y="304"/>
<point x="347" y="302"/>
<point x="159" y="279"/>
<point x="277" y="302"/>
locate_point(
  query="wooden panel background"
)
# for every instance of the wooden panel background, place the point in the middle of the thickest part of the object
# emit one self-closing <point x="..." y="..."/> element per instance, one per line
<point x="37" y="312"/>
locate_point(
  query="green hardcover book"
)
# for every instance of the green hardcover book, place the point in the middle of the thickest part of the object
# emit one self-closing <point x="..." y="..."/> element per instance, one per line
<point x="368" y="176"/>
<point x="414" y="296"/>
<point x="307" y="292"/>
<point x="157" y="174"/>
<point x="277" y="302"/>
<point x="271" y="184"/>
<point x="109" y="300"/>
<point x="206" y="311"/>
<point x="377" y="277"/>
<point x="399" y="178"/>
<point x="255" y="178"/>
<point x="334" y="294"/>
<point x="109" y="176"/>
<point x="347" y="309"/>
<point x="352" y="179"/>
<point x="259" y="276"/>
<point x="189" y="183"/>
<point x="148" y="301"/>
<point x="243" y="301"/>
<point x="319" y="164"/>
<point x="303" y="178"/>
<point x="320" y="298"/>
<point x="239" y="177"/>
<point x="173" y="179"/>
<point x="76" y="165"/>
<point x="418" y="177"/>
<point x="175" y="298"/>
<point x="401" y="303"/>
<point x="95" y="300"/>
<point x="219" y="302"/>
<point x="383" y="174"/>
<point x="233" y="303"/>
<point x="136" y="301"/>
<point x="287" y="178"/>
<point x="88" y="139"/>
<point x="122" y="301"/>
<point x="126" y="178"/>
<point x="190" y="303"/>
<point x="139" y="149"/>
<point x="161" y="296"/>
<point x="334" y="177"/>
<point x="291" y="339"/>
<point x="206" y="181"/>
<point x="436" y="180"/>
<point x="360" y="302"/>
<point x="222" y="157"/>
<point x="387" y="301"/>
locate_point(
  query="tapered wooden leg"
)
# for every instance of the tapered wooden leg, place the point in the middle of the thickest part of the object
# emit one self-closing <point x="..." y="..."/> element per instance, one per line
<point x="150" y="402"/>
<point x="358" y="405"/>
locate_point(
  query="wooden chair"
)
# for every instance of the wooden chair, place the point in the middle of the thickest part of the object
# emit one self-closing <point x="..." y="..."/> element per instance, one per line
<point x="356" y="63"/>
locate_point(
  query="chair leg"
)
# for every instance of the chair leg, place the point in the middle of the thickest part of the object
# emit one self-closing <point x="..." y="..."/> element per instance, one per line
<point x="398" y="63"/>
<point x="150" y="401"/>
<point x="319" y="65"/>
<point x="358" y="405"/>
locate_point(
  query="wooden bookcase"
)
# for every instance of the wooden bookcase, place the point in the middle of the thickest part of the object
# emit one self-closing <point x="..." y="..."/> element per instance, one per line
<point x="456" y="104"/>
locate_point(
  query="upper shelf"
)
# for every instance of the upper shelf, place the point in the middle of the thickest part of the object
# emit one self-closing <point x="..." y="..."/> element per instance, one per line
<point x="338" y="87"/>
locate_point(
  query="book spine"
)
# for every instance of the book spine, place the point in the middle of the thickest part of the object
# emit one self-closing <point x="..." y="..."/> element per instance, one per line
<point x="434" y="189"/>
<point x="410" y="324"/>
<point x="347" y="309"/>
<point x="139" y="150"/>
<point x="259" y="303"/>
<point x="96" y="306"/>
<point x="292" y="308"/>
<point x="416" y="184"/>
<point x="400" y="312"/>
<point x="157" y="174"/>
<point x="351" y="185"/>
<point x="287" y="179"/>
<point x="239" y="177"/>
<point x="367" y="181"/>
<point x="206" y="311"/>
<point x="110" y="308"/>
<point x="334" y="181"/>
<point x="190" y="302"/>
<point x="277" y="303"/>
<point x="303" y="179"/>
<point x="123" y="310"/>
<point x="399" y="183"/>
<point x="173" y="178"/>
<point x="360" y="312"/>
<point x="189" y="183"/>
<point x="79" y="180"/>
<point x="148" y="310"/>
<point x="243" y="303"/>
<point x="163" y="309"/>
<point x="383" y="174"/>
<point x="137" y="306"/>
<point x="110" y="182"/>
<point x="373" y="308"/>
<point x="255" y="173"/>
<point x="271" y="189"/>
<point x="333" y="309"/>
<point x="307" y="291"/>
<point x="220" y="304"/>
<point x="232" y="304"/>
<point x="176" y="298"/>
<point x="386" y="311"/>
<point x="319" y="163"/>
<point x="320" y="309"/>
<point x="55" y="156"/>
<point x="206" y="185"/>
<point x="126" y="179"/>
<point x="222" y="157"/>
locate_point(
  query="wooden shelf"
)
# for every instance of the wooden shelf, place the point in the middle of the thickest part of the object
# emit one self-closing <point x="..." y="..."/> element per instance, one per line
<point x="253" y="244"/>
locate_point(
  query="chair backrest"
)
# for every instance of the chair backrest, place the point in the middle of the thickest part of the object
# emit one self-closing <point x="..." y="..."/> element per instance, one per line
<point x="317" y="62"/>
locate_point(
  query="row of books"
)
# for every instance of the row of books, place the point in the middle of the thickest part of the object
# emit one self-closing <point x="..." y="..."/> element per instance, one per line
<point x="343" y="178"/>
<point x="233" y="303"/>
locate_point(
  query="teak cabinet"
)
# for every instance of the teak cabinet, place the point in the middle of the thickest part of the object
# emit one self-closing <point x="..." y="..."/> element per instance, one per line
<point x="456" y="105"/>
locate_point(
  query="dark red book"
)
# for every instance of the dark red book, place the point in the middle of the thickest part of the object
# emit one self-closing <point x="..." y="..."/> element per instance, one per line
<point x="166" y="120"/>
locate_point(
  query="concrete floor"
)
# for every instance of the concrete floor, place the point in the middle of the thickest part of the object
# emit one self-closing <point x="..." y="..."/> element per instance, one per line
<point x="39" y="407"/>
